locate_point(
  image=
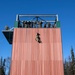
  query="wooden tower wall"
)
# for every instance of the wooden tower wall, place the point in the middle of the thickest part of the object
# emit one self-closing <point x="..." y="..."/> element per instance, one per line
<point x="32" y="58"/>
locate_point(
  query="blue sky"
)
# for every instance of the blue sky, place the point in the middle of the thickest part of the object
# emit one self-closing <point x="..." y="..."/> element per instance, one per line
<point x="64" y="8"/>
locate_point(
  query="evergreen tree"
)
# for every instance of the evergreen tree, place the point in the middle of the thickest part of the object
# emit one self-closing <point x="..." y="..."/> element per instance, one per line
<point x="72" y="62"/>
<point x="65" y="67"/>
<point x="8" y="60"/>
<point x="69" y="65"/>
<point x="2" y="66"/>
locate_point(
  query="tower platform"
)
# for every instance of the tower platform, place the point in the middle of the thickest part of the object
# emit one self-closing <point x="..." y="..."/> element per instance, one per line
<point x="8" y="35"/>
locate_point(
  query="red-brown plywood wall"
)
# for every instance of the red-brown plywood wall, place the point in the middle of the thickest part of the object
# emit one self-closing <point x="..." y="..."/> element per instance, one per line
<point x="32" y="58"/>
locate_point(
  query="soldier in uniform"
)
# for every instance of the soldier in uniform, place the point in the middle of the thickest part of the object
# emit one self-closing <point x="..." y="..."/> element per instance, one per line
<point x="6" y="28"/>
<point x="38" y="38"/>
<point x="40" y="24"/>
<point x="25" y="24"/>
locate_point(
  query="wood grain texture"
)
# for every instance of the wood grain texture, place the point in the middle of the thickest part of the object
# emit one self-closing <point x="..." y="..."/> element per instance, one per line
<point x="32" y="58"/>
